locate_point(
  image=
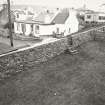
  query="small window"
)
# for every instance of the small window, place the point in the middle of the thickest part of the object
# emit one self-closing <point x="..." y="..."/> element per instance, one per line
<point x="69" y="30"/>
<point x="17" y="15"/>
<point x="101" y="18"/>
<point x="32" y="27"/>
<point x="23" y="26"/>
<point x="57" y="30"/>
<point x="88" y="16"/>
<point x="37" y="29"/>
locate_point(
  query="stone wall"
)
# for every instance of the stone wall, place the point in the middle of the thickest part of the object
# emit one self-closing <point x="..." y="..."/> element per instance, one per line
<point x="25" y="59"/>
<point x="22" y="60"/>
<point x="87" y="35"/>
<point x="99" y="36"/>
<point x="81" y="37"/>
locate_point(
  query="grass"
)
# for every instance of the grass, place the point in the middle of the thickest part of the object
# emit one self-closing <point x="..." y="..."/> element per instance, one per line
<point x="17" y="44"/>
<point x="65" y="80"/>
<point x="5" y="48"/>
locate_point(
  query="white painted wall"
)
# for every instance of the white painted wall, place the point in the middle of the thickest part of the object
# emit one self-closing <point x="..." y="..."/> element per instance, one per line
<point x="28" y="29"/>
<point x="17" y="28"/>
<point x="101" y="15"/>
<point x="45" y="30"/>
<point x="70" y="26"/>
<point x="47" y="19"/>
<point x="72" y="22"/>
<point x="93" y="17"/>
<point x="21" y="16"/>
<point x="49" y="29"/>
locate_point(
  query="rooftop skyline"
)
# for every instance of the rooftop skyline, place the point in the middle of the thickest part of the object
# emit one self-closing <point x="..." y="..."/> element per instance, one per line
<point x="91" y="4"/>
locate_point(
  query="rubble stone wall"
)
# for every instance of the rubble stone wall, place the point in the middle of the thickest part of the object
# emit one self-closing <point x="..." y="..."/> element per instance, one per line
<point x="22" y="60"/>
<point x="81" y="38"/>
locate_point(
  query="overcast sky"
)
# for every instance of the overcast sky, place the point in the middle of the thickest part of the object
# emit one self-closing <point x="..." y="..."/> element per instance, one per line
<point x="92" y="4"/>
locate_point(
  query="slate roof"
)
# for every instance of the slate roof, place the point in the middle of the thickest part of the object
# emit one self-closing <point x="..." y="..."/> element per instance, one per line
<point x="95" y="12"/>
<point x="61" y="17"/>
<point x="41" y="17"/>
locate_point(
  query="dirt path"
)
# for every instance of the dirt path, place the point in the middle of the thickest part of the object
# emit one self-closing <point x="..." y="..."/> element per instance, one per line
<point x="65" y="80"/>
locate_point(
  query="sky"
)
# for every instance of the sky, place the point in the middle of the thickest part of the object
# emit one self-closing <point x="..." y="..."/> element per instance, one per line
<point x="91" y="4"/>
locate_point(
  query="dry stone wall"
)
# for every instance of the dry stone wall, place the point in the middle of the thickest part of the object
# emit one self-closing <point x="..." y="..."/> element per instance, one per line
<point x="26" y="59"/>
<point x="23" y="60"/>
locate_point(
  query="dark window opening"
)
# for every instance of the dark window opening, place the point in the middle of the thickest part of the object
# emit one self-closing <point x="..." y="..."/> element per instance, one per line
<point x="17" y="15"/>
<point x="37" y="29"/>
<point x="101" y="17"/>
<point x="23" y="28"/>
<point x="88" y="16"/>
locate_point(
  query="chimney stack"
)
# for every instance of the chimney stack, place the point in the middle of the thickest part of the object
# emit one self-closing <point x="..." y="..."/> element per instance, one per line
<point x="4" y="5"/>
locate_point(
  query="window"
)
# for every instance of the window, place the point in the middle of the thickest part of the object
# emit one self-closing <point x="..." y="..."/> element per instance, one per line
<point x="32" y="27"/>
<point x="23" y="28"/>
<point x="57" y="30"/>
<point x="37" y="29"/>
<point x="88" y="16"/>
<point x="101" y="17"/>
<point x="32" y="33"/>
<point x="17" y="15"/>
<point x="69" y="30"/>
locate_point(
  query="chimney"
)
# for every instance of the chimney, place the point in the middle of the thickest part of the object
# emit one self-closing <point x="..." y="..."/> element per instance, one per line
<point x="4" y="5"/>
<point x="47" y="19"/>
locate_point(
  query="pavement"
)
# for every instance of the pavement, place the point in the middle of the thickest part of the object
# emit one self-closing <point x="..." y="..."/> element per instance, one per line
<point x="6" y="47"/>
<point x="19" y="44"/>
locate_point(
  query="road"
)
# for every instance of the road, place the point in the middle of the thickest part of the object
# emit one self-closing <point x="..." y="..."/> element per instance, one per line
<point x="65" y="80"/>
<point x="18" y="44"/>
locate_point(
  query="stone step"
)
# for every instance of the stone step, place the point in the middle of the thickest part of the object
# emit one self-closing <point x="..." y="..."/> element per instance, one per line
<point x="73" y="51"/>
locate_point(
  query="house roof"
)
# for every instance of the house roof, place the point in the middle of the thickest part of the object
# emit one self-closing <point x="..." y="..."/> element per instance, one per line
<point x="32" y="22"/>
<point x="95" y="12"/>
<point x="28" y="22"/>
<point x="41" y="17"/>
<point x="61" y="17"/>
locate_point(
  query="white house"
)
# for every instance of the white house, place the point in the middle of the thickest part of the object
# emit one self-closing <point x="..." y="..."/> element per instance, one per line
<point x="23" y="14"/>
<point x="98" y="17"/>
<point x="90" y="17"/>
<point x="101" y="17"/>
<point x="64" y="21"/>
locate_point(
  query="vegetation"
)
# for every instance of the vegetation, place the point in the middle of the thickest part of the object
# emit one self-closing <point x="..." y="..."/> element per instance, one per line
<point x="65" y="80"/>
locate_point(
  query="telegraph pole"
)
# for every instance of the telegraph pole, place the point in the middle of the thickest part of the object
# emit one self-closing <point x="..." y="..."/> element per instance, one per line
<point x="10" y="24"/>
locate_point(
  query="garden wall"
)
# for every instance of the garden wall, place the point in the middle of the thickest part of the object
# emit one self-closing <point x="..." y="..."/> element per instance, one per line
<point x="79" y="38"/>
<point x="100" y="36"/>
<point x="87" y="35"/>
<point x="24" y="59"/>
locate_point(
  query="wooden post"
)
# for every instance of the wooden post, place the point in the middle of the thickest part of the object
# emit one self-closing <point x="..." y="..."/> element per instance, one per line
<point x="10" y="25"/>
